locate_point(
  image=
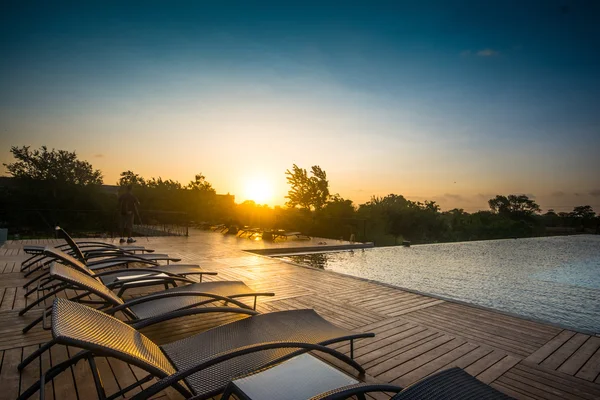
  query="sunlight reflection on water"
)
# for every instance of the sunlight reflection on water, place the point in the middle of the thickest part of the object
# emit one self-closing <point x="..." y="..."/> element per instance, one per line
<point x="554" y="279"/>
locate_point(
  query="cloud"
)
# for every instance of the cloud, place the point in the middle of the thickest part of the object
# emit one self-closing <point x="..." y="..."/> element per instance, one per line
<point x="557" y="194"/>
<point x="453" y="196"/>
<point x="577" y="194"/>
<point x="488" y="53"/>
<point x="465" y="53"/>
<point x="595" y="193"/>
<point x="99" y="155"/>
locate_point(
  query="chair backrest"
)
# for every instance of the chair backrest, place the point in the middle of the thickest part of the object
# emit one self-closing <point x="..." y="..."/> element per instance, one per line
<point x="77" y="325"/>
<point x="76" y="250"/>
<point x="84" y="282"/>
<point x="68" y="259"/>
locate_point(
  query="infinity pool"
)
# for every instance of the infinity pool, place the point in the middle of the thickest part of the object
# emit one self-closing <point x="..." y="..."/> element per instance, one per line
<point x="554" y="279"/>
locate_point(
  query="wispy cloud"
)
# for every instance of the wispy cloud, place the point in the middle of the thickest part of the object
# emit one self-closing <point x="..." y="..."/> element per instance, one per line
<point x="453" y="196"/>
<point x="99" y="155"/>
<point x="595" y="192"/>
<point x="488" y="53"/>
<point x="557" y="194"/>
<point x="480" y="53"/>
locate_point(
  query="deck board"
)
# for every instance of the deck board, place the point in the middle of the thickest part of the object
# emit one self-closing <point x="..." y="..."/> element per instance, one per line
<point x="416" y="335"/>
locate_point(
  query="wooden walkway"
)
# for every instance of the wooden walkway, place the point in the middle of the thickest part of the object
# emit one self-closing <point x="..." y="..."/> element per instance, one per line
<point x="416" y="335"/>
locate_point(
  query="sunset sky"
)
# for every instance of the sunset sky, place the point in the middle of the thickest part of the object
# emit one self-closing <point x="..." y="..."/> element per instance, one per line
<point x="451" y="101"/>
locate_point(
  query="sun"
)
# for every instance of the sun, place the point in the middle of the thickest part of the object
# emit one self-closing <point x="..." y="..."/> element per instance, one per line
<point x="259" y="190"/>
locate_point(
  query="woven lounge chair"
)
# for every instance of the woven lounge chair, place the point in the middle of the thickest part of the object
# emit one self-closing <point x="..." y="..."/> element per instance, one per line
<point x="281" y="382"/>
<point x="83" y="250"/>
<point x="156" y="306"/>
<point x="124" y="278"/>
<point x="109" y="258"/>
<point x="199" y="366"/>
<point x="450" y="384"/>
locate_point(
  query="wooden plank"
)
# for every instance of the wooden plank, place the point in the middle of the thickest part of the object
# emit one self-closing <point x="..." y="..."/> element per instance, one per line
<point x="496" y="370"/>
<point x="31" y="374"/>
<point x="530" y="387"/>
<point x="564" y="352"/>
<point x="378" y="356"/>
<point x="455" y="326"/>
<point x="581" y="356"/>
<point x="558" y="380"/>
<point x="419" y="361"/>
<point x="64" y="386"/>
<point x="384" y="370"/>
<point x="438" y="364"/>
<point x="9" y="375"/>
<point x="591" y="369"/>
<point x="550" y="347"/>
<point x="485" y="362"/>
<point x="8" y="299"/>
<point x="512" y="392"/>
<point x="45" y="365"/>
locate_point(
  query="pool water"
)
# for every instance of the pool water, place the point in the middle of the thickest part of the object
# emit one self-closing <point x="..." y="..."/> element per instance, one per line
<point x="553" y="279"/>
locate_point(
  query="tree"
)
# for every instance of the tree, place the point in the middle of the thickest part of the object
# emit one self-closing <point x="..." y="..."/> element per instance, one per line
<point x="200" y="183"/>
<point x="514" y="205"/>
<point x="59" y="166"/>
<point x="307" y="192"/>
<point x="585" y="212"/>
<point x="167" y="184"/>
<point x="131" y="178"/>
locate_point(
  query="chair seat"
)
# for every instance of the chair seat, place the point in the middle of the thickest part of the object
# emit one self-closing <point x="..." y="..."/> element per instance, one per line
<point x="296" y="325"/>
<point x="178" y="269"/>
<point x="162" y="306"/>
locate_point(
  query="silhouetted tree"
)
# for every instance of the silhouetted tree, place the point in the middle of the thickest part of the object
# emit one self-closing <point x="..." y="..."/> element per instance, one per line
<point x="55" y="165"/>
<point x="200" y="183"/>
<point x="514" y="205"/>
<point x="307" y="192"/>
<point x="585" y="212"/>
<point x="131" y="178"/>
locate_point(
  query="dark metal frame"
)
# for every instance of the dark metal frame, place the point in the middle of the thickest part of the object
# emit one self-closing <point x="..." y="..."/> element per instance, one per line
<point x="125" y="306"/>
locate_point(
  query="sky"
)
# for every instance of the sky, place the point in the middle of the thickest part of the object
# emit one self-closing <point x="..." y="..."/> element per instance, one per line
<point x="448" y="101"/>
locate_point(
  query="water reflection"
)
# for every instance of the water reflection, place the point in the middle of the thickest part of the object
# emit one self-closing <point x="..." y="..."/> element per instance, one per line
<point x="318" y="260"/>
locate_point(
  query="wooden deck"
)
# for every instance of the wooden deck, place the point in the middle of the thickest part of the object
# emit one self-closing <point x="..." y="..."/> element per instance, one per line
<point x="416" y="335"/>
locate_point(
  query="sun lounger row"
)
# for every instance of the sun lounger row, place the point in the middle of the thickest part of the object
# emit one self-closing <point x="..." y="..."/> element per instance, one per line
<point x="223" y="359"/>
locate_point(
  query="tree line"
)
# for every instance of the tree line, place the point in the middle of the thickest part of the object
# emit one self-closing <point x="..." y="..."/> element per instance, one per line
<point x="54" y="186"/>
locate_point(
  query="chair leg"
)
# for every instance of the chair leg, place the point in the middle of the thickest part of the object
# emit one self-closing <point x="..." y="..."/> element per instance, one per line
<point x="51" y="374"/>
<point x="34" y="323"/>
<point x="32" y="270"/>
<point x="97" y="381"/>
<point x="41" y="299"/>
<point x="25" y="286"/>
<point x="35" y="354"/>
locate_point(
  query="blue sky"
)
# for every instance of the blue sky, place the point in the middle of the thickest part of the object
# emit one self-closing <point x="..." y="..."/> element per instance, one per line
<point x="454" y="101"/>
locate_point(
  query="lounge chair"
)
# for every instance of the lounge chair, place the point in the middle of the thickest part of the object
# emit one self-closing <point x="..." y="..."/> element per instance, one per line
<point x="204" y="363"/>
<point x="108" y="259"/>
<point x="52" y="254"/>
<point x="282" y="382"/>
<point x="450" y="384"/>
<point x="153" y="306"/>
<point x="78" y="249"/>
<point x="285" y="235"/>
<point x="125" y="277"/>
